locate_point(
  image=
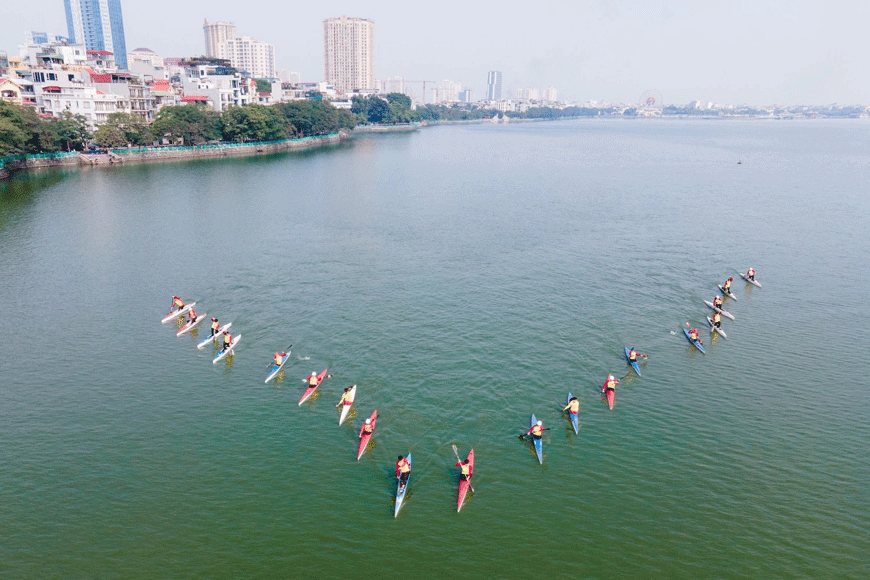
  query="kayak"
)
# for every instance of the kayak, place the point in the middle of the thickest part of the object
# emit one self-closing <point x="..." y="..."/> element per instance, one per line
<point x="697" y="343"/>
<point x="753" y="282"/>
<point x="224" y="353"/>
<point x="463" y="485"/>
<point x="401" y="489"/>
<point x="364" y="438"/>
<point x="345" y="408"/>
<point x="714" y="329"/>
<point x="177" y="313"/>
<point x="611" y="395"/>
<point x="215" y="337"/>
<point x="310" y="390"/>
<point x="276" y="368"/>
<point x="719" y="310"/>
<point x="574" y="419"/>
<point x="727" y="293"/>
<point x="539" y="446"/>
<point x="632" y="363"/>
<point x="191" y="325"/>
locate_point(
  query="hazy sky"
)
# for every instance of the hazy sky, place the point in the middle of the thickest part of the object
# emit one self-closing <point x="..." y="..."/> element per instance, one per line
<point x="756" y="52"/>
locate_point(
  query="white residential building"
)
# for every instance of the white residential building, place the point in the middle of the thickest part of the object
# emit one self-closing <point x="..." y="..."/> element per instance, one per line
<point x="210" y="82"/>
<point x="349" y="53"/>
<point x="448" y="92"/>
<point x="215" y="35"/>
<point x="550" y="95"/>
<point x="252" y="56"/>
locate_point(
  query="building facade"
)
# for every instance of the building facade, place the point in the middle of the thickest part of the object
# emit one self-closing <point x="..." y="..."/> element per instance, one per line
<point x="216" y="33"/>
<point x="349" y="53"/>
<point x="99" y="25"/>
<point x="493" y="85"/>
<point x="251" y="56"/>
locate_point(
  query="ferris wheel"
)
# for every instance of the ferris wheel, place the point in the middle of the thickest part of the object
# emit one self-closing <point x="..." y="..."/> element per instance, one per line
<point x="651" y="99"/>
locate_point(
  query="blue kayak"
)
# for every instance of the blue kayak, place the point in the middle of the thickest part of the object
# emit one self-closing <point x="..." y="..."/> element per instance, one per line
<point x="575" y="422"/>
<point x="539" y="446"/>
<point x="277" y="368"/>
<point x="631" y="362"/>
<point x="400" y="489"/>
<point x="695" y="342"/>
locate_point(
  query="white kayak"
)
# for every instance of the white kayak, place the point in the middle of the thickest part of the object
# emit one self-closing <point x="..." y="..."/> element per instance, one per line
<point x="727" y="293"/>
<point x="209" y="339"/>
<point x="191" y="325"/>
<point x="750" y="280"/>
<point x="345" y="408"/>
<point x="177" y="313"/>
<point x="719" y="310"/>
<point x="222" y="354"/>
<point x="714" y="328"/>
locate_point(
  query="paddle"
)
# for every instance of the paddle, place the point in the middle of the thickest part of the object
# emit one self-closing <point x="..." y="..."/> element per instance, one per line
<point x="287" y="350"/>
<point x="456" y="453"/>
<point x="523" y="435"/>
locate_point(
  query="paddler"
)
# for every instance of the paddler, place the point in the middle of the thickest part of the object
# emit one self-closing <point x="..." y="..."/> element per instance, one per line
<point x="537" y="430"/>
<point x="693" y="334"/>
<point x="312" y="380"/>
<point x="177" y="303"/>
<point x="345" y="397"/>
<point x="279" y="358"/>
<point x="191" y="316"/>
<point x="717" y="302"/>
<point x="726" y="287"/>
<point x="717" y="320"/>
<point x="750" y="273"/>
<point x="573" y="406"/>
<point x="228" y="339"/>
<point x="633" y="354"/>
<point x="610" y="385"/>
<point x="403" y="471"/>
<point x="466" y="468"/>
<point x="214" y="326"/>
<point x="367" y="428"/>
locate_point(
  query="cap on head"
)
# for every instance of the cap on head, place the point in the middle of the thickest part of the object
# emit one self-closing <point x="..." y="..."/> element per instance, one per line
<point x="368" y="421"/>
<point x="540" y="423"/>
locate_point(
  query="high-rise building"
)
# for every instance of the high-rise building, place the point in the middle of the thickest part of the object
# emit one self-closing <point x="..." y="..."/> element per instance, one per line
<point x="99" y="25"/>
<point x="493" y="85"/>
<point x="550" y="94"/>
<point x="252" y="56"/>
<point x="215" y="35"/>
<point x="349" y="53"/>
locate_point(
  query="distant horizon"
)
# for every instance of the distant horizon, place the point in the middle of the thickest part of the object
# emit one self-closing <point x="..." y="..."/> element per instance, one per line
<point x="742" y="54"/>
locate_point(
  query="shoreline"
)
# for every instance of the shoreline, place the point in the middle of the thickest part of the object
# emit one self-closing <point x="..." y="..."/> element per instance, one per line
<point x="135" y="155"/>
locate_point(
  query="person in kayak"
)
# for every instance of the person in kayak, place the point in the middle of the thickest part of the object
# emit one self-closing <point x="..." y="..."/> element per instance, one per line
<point x="345" y="397"/>
<point x="750" y="273"/>
<point x="228" y="340"/>
<point x="312" y="380"/>
<point x="279" y="357"/>
<point x="191" y="316"/>
<point x="717" y="320"/>
<point x="214" y="326"/>
<point x="573" y="406"/>
<point x="610" y="385"/>
<point x="403" y="471"/>
<point x="726" y="287"/>
<point x="177" y="304"/>
<point x="466" y="468"/>
<point x="717" y="302"/>
<point x="537" y="430"/>
<point x="693" y="334"/>
<point x="633" y="354"/>
<point x="367" y="428"/>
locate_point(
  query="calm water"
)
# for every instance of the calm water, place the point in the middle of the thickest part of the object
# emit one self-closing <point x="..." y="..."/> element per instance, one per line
<point x="463" y="278"/>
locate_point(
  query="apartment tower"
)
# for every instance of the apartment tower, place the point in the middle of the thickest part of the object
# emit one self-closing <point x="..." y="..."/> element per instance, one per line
<point x="99" y="25"/>
<point x="349" y="53"/>
<point x="216" y="33"/>
<point x="493" y="85"/>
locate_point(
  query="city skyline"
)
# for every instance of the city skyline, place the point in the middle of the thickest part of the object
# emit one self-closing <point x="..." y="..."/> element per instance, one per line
<point x="741" y="52"/>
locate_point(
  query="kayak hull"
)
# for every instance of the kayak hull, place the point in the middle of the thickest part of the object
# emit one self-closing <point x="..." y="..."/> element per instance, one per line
<point x="364" y="438"/>
<point x="727" y="293"/>
<point x="310" y="390"/>
<point x="215" y="337"/>
<point x="696" y="343"/>
<point x="191" y="325"/>
<point x="224" y="353"/>
<point x="575" y="421"/>
<point x="345" y="408"/>
<point x="610" y="395"/>
<point x="715" y="329"/>
<point x="177" y="313"/>
<point x="539" y="443"/>
<point x="748" y="280"/>
<point x="277" y="368"/>
<point x="724" y="313"/>
<point x="463" y="485"/>
<point x="633" y="364"/>
<point x="400" y="490"/>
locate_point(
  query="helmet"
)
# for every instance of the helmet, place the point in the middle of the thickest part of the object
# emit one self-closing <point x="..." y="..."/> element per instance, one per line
<point x="609" y="377"/>
<point x="313" y="373"/>
<point x="368" y="421"/>
<point x="540" y="423"/>
<point x="731" y="279"/>
<point x="718" y="297"/>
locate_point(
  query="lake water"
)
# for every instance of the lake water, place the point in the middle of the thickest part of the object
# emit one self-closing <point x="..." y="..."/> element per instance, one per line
<point x="463" y="278"/>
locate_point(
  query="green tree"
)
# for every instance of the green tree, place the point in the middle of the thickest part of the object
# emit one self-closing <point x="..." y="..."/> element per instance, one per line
<point x="193" y="124"/>
<point x="263" y="86"/>
<point x="109" y="136"/>
<point x="73" y="132"/>
<point x="134" y="128"/>
<point x="379" y="110"/>
<point x="253" y="123"/>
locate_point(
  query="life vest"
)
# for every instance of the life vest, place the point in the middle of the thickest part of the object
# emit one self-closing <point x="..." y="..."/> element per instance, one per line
<point x="611" y="384"/>
<point x="750" y="273"/>
<point x="402" y="466"/>
<point x="466" y="469"/>
<point x="191" y="315"/>
<point x="717" y="302"/>
<point x="574" y="407"/>
<point x="228" y="338"/>
<point x="179" y="302"/>
<point x="367" y="428"/>
<point x="632" y="356"/>
<point x="312" y="381"/>
<point x="538" y="430"/>
<point x="727" y="284"/>
<point x="717" y="317"/>
<point x="215" y="325"/>
<point x="693" y="335"/>
<point x="278" y="358"/>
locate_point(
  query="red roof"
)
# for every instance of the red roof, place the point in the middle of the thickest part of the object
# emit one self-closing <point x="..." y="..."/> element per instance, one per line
<point x="51" y="89"/>
<point x="194" y="98"/>
<point x="100" y="77"/>
<point x="104" y="52"/>
<point x="263" y="94"/>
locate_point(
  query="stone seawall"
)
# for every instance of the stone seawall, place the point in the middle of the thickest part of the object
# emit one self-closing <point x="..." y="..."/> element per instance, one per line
<point x="154" y="154"/>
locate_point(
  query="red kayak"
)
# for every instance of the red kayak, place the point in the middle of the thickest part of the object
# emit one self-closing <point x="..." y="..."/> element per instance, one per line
<point x="463" y="485"/>
<point x="310" y="390"/>
<point x="611" y="395"/>
<point x="364" y="439"/>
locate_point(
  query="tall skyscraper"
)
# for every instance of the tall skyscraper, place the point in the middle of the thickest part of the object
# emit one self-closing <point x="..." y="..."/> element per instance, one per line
<point x="252" y="56"/>
<point x="216" y="34"/>
<point x="349" y="53"/>
<point x="99" y="25"/>
<point x="493" y="85"/>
